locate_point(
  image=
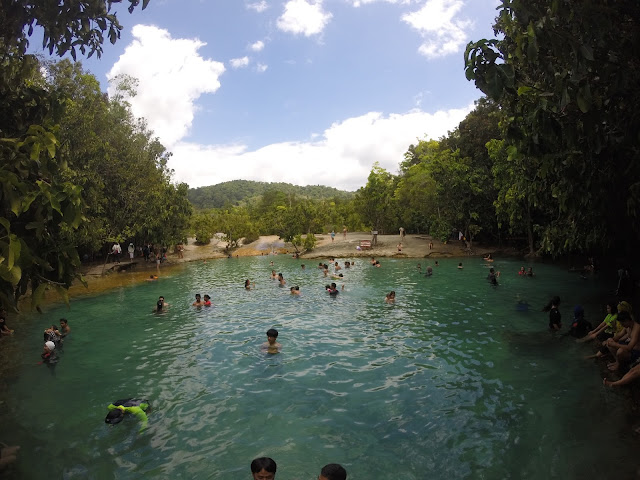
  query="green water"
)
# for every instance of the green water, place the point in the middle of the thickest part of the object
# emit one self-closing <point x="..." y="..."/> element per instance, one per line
<point x="450" y="382"/>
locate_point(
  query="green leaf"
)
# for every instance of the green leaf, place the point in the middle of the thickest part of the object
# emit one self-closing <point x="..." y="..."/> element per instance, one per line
<point x="14" y="251"/>
<point x="38" y="295"/>
<point x="64" y="294"/>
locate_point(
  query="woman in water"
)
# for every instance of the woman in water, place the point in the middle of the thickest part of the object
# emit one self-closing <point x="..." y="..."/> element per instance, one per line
<point x="391" y="297"/>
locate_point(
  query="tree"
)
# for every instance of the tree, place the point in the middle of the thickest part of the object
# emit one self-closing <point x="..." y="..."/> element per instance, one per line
<point x="375" y="201"/>
<point x="566" y="75"/>
<point x="39" y="203"/>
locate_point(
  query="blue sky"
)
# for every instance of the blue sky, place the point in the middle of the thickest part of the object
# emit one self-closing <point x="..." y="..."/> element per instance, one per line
<point x="299" y="91"/>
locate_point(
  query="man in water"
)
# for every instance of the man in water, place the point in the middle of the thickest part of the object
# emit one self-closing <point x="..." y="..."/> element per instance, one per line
<point x="333" y="471"/>
<point x="65" y="329"/>
<point x="135" y="407"/>
<point x="198" y="302"/>
<point x="160" y="305"/>
<point x="272" y="345"/>
<point x="263" y="468"/>
<point x="295" y="290"/>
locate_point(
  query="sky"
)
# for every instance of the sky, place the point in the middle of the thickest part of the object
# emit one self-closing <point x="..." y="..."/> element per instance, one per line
<point x="309" y="92"/>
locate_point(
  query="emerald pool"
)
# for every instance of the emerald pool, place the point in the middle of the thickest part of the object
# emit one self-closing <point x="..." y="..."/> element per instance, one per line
<point x="453" y="381"/>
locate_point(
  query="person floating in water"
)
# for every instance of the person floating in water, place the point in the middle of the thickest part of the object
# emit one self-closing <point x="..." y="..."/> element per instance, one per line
<point x="272" y="345"/>
<point x="391" y="297"/>
<point x="263" y="468"/>
<point x="119" y="408"/>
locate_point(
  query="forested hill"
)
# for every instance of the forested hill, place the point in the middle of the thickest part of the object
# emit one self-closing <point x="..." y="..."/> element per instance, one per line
<point x="237" y="191"/>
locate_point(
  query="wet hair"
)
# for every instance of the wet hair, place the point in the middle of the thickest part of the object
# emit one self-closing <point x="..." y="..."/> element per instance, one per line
<point x="114" y="416"/>
<point x="161" y="297"/>
<point x="198" y="295"/>
<point x="333" y="285"/>
<point x="63" y="320"/>
<point x="297" y="287"/>
<point x="333" y="471"/>
<point x="555" y="301"/>
<point x="207" y="297"/>
<point x="272" y="332"/>
<point x="263" y="463"/>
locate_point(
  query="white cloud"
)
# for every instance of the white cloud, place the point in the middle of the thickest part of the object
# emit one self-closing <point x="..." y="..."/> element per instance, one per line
<point x="172" y="75"/>
<point x="258" y="46"/>
<point x="358" y="3"/>
<point x="258" y="6"/>
<point x="341" y="157"/>
<point x="261" y="68"/>
<point x="307" y="18"/>
<point x="442" y="33"/>
<point x="239" y="62"/>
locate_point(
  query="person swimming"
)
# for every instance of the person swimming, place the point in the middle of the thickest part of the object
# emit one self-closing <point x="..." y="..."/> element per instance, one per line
<point x="391" y="297"/>
<point x="119" y="408"/>
<point x="332" y="289"/>
<point x="295" y="290"/>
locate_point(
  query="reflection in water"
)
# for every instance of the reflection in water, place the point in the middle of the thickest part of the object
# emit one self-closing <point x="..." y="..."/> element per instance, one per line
<point x="450" y="381"/>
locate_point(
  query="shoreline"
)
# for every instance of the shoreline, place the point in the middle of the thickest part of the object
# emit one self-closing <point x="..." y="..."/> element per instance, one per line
<point x="413" y="246"/>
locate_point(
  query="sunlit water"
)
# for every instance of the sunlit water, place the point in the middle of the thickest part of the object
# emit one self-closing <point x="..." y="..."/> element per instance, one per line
<point x="450" y="382"/>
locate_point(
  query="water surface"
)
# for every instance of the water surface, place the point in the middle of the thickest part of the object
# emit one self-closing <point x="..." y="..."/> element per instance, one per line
<point x="453" y="381"/>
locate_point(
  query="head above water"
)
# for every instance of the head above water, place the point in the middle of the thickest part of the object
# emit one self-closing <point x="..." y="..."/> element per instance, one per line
<point x="263" y="463"/>
<point x="272" y="332"/>
<point x="114" y="416"/>
<point x="333" y="471"/>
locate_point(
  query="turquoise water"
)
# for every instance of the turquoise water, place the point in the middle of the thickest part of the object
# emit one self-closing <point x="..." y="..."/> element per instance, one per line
<point x="450" y="382"/>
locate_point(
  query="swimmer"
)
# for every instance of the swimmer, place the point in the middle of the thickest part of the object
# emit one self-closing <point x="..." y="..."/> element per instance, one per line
<point x="152" y="278"/>
<point x="274" y="275"/>
<point x="207" y="301"/>
<point x="488" y="258"/>
<point x="419" y="268"/>
<point x="460" y="266"/>
<point x="429" y="271"/>
<point x="333" y="471"/>
<point x="530" y="272"/>
<point x="337" y="277"/>
<point x="198" y="302"/>
<point x="522" y="272"/>
<point x="281" y="280"/>
<point x="391" y="297"/>
<point x="263" y="468"/>
<point x="302" y="266"/>
<point x="271" y="345"/>
<point x="65" y="329"/>
<point x="493" y="276"/>
<point x="321" y="266"/>
<point x="347" y="264"/>
<point x="248" y="283"/>
<point x="373" y="261"/>
<point x="436" y="264"/>
<point x="161" y="305"/>
<point x="336" y="267"/>
<point x="377" y="265"/>
<point x="133" y="406"/>
<point x="332" y="289"/>
<point x="295" y="290"/>
<point x="48" y="355"/>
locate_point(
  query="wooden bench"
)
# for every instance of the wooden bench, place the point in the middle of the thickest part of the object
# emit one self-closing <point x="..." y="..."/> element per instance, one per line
<point x="365" y="244"/>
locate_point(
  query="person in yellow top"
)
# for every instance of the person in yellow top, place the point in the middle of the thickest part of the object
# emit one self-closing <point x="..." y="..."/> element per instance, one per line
<point x="607" y="328"/>
<point x="133" y="406"/>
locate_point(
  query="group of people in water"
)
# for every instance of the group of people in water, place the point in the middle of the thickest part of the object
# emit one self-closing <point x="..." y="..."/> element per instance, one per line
<point x="264" y="468"/>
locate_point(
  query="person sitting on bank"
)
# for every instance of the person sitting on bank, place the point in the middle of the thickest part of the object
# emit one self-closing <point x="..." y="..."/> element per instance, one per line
<point x="628" y="377"/>
<point x="4" y="329"/>
<point x="332" y="471"/>
<point x="607" y="328"/>
<point x="263" y="468"/>
<point x="625" y="349"/>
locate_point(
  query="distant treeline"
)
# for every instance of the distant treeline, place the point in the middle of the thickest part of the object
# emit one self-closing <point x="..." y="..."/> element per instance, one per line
<point x="237" y="192"/>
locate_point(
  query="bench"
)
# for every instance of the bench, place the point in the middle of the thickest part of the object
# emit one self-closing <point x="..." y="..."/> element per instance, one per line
<point x="365" y="244"/>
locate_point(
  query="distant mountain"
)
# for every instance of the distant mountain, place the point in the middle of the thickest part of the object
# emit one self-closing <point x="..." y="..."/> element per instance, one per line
<point x="239" y="191"/>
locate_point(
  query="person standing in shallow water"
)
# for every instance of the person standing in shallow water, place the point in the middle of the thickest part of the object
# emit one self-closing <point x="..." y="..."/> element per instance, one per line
<point x="333" y="471"/>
